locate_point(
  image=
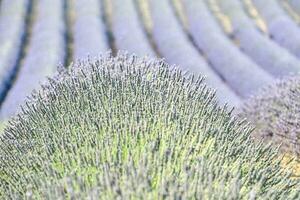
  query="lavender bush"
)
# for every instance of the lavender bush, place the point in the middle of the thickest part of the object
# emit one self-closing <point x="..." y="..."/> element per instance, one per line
<point x="277" y="21"/>
<point x="175" y="46"/>
<point x="129" y="128"/>
<point x="127" y="28"/>
<point x="243" y="75"/>
<point x="275" y="114"/>
<point x="12" y="31"/>
<point x="264" y="51"/>
<point x="46" y="49"/>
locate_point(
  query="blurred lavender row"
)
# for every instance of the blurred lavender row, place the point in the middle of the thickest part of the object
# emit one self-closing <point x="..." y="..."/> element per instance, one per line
<point x="175" y="46"/>
<point x="127" y="29"/>
<point x="265" y="52"/>
<point x="89" y="32"/>
<point x="46" y="49"/>
<point x="281" y="27"/>
<point x="295" y="5"/>
<point x="241" y="73"/>
<point x="12" y="31"/>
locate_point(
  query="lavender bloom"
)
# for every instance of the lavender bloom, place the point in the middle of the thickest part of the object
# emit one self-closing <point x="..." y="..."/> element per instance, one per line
<point x="281" y="27"/>
<point x="175" y="46"/>
<point x="243" y="75"/>
<point x="88" y="29"/>
<point x="12" y="29"/>
<point x="264" y="51"/>
<point x="46" y="50"/>
<point x="127" y="29"/>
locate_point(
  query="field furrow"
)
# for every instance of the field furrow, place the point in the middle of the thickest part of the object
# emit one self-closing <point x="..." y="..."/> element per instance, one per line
<point x="127" y="29"/>
<point x="45" y="51"/>
<point x="13" y="19"/>
<point x="295" y="4"/>
<point x="240" y="72"/>
<point x="88" y="29"/>
<point x="265" y="52"/>
<point x="175" y="46"/>
<point x="280" y="26"/>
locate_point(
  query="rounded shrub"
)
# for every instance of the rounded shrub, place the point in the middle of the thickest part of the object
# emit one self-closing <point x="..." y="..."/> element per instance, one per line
<point x="275" y="112"/>
<point x="129" y="128"/>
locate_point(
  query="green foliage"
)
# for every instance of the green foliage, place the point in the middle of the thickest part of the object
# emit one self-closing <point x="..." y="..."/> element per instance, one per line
<point x="275" y="112"/>
<point x="2" y="126"/>
<point x="129" y="128"/>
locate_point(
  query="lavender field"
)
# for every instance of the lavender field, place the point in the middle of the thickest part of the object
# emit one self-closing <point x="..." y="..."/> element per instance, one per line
<point x="240" y="46"/>
<point x="150" y="99"/>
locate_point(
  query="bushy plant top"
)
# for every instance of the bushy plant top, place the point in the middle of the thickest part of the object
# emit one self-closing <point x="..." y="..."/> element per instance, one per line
<point x="275" y="112"/>
<point x="128" y="128"/>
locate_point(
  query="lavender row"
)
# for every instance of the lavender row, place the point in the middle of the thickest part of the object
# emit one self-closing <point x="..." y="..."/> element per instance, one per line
<point x="175" y="46"/>
<point x="265" y="52"/>
<point x="46" y="50"/>
<point x="295" y="4"/>
<point x="12" y="31"/>
<point x="127" y="29"/>
<point x="88" y="29"/>
<point x="241" y="73"/>
<point x="281" y="27"/>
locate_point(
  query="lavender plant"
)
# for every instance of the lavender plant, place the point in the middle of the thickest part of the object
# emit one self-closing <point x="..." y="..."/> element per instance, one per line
<point x="275" y="114"/>
<point x="175" y="46"/>
<point x="265" y="52"/>
<point x="89" y="32"/>
<point x="12" y="30"/>
<point x="277" y="20"/>
<point x="241" y="73"/>
<point x="129" y="128"/>
<point x="127" y="28"/>
<point x="45" y="50"/>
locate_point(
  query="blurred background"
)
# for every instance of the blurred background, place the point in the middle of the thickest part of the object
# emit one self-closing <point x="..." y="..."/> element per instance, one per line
<point x="238" y="45"/>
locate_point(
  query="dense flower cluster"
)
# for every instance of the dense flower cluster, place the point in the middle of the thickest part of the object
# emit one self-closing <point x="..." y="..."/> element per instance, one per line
<point x="128" y="128"/>
<point x="275" y="114"/>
